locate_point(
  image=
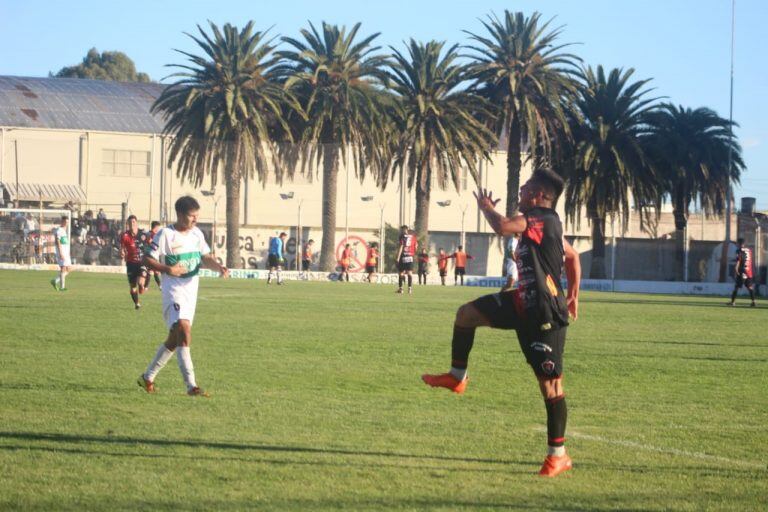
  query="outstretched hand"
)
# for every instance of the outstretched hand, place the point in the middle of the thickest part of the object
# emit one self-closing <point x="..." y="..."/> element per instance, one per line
<point x="485" y="199"/>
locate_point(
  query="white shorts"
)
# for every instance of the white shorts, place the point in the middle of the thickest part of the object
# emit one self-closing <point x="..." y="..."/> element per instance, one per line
<point x="64" y="261"/>
<point x="178" y="304"/>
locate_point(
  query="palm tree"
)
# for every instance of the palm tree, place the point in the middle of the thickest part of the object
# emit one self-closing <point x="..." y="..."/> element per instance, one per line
<point x="438" y="131"/>
<point x="336" y="79"/>
<point x="690" y="150"/>
<point x="519" y="68"/>
<point x="609" y="165"/>
<point x="221" y="115"/>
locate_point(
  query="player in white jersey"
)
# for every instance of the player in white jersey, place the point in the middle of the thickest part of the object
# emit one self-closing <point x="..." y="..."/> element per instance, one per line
<point x="179" y="251"/>
<point x="61" y="240"/>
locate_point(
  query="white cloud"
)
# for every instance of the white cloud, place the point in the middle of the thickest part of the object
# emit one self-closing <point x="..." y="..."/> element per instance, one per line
<point x="750" y="142"/>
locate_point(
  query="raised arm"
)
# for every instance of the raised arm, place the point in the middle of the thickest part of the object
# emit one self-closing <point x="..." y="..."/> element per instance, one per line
<point x="502" y="225"/>
<point x="573" y="274"/>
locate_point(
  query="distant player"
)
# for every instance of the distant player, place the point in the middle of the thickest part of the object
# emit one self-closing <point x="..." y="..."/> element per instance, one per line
<point x="423" y="267"/>
<point x="179" y="251"/>
<point x="406" y="251"/>
<point x="275" y="259"/>
<point x="537" y="309"/>
<point x="61" y="241"/>
<point x="154" y="228"/>
<point x="744" y="272"/>
<point x="510" y="262"/>
<point x="460" y="264"/>
<point x="306" y="256"/>
<point x="442" y="265"/>
<point x="371" y="261"/>
<point x="344" y="262"/>
<point x="132" y="251"/>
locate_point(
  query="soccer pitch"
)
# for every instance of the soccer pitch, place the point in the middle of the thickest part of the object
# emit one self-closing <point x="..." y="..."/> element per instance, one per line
<point x="317" y="403"/>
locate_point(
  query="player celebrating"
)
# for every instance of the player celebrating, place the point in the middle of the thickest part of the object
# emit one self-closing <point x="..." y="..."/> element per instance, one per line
<point x="275" y="259"/>
<point x="537" y="309"/>
<point x="406" y="250"/>
<point x="131" y="250"/>
<point x="423" y="266"/>
<point x="344" y="262"/>
<point x="179" y="251"/>
<point x="61" y="239"/>
<point x="460" y="258"/>
<point x="442" y="265"/>
<point x="744" y="272"/>
<point x="371" y="261"/>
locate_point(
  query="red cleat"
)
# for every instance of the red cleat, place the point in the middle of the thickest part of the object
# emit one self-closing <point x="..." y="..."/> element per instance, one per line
<point x="445" y="380"/>
<point x="196" y="391"/>
<point x="553" y="466"/>
<point x="146" y="385"/>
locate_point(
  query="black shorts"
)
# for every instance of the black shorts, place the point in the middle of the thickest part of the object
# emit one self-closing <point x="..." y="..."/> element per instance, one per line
<point x="344" y="268"/>
<point x="443" y="272"/>
<point x="743" y="281"/>
<point x="460" y="271"/>
<point x="274" y="261"/>
<point x="543" y="349"/>
<point x="404" y="265"/>
<point x="370" y="269"/>
<point x="422" y="269"/>
<point x="135" y="271"/>
<point x="305" y="265"/>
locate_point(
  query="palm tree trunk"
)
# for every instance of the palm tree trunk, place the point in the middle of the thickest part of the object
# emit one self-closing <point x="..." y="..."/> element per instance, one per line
<point x="597" y="269"/>
<point x="513" y="165"/>
<point x="681" y="222"/>
<point x="330" y="179"/>
<point x="422" y="211"/>
<point x="233" y="220"/>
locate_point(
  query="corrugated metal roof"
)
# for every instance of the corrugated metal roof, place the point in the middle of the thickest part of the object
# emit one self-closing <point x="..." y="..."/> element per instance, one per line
<point x="44" y="192"/>
<point x="79" y="104"/>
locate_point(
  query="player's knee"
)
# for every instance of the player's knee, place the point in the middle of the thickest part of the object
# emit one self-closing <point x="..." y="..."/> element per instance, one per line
<point x="466" y="315"/>
<point x="551" y="387"/>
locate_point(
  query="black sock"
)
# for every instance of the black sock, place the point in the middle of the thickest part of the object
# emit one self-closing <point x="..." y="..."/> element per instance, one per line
<point x="557" y="416"/>
<point x="410" y="280"/>
<point x="400" y="280"/>
<point x="135" y="297"/>
<point x="751" y="294"/>
<point x="461" y="345"/>
<point x="733" y="295"/>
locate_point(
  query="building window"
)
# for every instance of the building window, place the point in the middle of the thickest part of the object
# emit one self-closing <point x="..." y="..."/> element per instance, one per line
<point x="119" y="162"/>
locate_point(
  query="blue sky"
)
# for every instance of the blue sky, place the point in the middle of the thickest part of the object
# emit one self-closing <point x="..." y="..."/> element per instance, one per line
<point x="684" y="45"/>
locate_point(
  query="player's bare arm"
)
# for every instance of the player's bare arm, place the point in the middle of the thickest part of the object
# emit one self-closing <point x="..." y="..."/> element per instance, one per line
<point x="573" y="274"/>
<point x="175" y="270"/>
<point x="210" y="262"/>
<point x="502" y="225"/>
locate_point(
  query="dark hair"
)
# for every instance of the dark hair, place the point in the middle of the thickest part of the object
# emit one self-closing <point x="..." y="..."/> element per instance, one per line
<point x="548" y="180"/>
<point x="186" y="204"/>
<point x="740" y="241"/>
<point x="311" y="241"/>
<point x="404" y="226"/>
<point x="64" y="217"/>
<point x="155" y="223"/>
<point x="130" y="218"/>
<point x="441" y="249"/>
<point x="283" y="233"/>
<point x="461" y="247"/>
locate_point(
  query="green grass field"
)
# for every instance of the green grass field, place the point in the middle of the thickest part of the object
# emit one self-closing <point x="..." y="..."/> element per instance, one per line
<point x="317" y="403"/>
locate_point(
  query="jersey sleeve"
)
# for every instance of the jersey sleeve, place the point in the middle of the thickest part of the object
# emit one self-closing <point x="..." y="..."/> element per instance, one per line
<point x="156" y="250"/>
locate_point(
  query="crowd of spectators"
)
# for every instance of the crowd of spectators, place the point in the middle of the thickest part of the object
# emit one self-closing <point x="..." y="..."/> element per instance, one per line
<point x="95" y="238"/>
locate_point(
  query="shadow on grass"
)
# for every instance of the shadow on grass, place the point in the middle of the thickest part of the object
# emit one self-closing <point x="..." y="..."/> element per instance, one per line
<point x="122" y="440"/>
<point x="660" y="302"/>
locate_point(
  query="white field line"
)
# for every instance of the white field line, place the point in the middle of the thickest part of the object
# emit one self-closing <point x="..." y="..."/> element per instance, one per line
<point x="658" y="449"/>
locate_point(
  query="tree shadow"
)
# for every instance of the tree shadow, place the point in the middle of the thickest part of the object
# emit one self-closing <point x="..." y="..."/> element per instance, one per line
<point x="659" y="302"/>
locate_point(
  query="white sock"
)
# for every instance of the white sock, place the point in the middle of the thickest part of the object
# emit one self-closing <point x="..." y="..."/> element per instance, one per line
<point x="62" y="276"/>
<point x="186" y="367"/>
<point x="162" y="357"/>
<point x="269" y="277"/>
<point x="556" y="451"/>
<point x="459" y="373"/>
<point x="279" y="276"/>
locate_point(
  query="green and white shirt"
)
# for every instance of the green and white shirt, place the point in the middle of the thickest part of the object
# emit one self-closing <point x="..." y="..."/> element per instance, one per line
<point x="62" y="248"/>
<point x="188" y="248"/>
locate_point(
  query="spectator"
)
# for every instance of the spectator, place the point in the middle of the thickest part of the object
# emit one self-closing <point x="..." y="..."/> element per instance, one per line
<point x="101" y="215"/>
